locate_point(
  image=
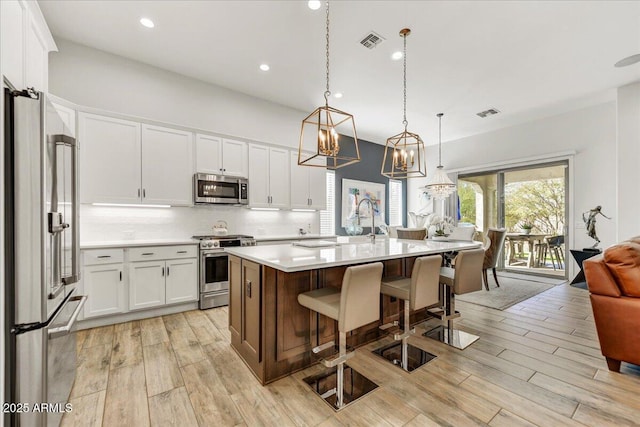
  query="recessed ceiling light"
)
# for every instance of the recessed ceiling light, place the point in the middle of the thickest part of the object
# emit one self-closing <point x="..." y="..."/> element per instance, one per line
<point x="338" y="94"/>
<point x="396" y="55"/>
<point x="314" y="4"/>
<point x="147" y="22"/>
<point x="629" y="60"/>
<point x="264" y="67"/>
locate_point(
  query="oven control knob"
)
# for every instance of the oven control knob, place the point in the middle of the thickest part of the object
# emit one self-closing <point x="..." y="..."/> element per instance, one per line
<point x="215" y="244"/>
<point x="209" y="244"/>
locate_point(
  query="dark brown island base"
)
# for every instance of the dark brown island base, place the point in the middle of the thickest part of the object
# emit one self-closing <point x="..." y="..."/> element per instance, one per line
<point x="274" y="334"/>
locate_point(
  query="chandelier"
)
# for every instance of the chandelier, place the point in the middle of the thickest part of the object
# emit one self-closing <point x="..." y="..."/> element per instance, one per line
<point x="440" y="186"/>
<point x="328" y="136"/>
<point x="404" y="153"/>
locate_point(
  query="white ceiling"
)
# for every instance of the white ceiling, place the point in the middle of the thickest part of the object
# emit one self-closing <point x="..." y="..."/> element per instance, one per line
<point x="528" y="59"/>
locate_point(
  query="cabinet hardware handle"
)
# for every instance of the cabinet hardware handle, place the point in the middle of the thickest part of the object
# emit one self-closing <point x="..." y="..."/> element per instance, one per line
<point x="121" y="276"/>
<point x="182" y="252"/>
<point x="104" y="256"/>
<point x="220" y="169"/>
<point x="138" y="192"/>
<point x="144" y="193"/>
<point x="148" y="253"/>
<point x="167" y="271"/>
<point x="224" y="170"/>
<point x="248" y="291"/>
<point x="162" y="271"/>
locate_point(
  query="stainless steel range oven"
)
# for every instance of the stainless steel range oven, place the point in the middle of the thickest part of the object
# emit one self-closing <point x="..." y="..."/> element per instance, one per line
<point x="214" y="268"/>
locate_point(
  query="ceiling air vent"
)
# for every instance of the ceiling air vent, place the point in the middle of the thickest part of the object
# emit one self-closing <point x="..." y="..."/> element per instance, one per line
<point x="487" y="113"/>
<point x="371" y="40"/>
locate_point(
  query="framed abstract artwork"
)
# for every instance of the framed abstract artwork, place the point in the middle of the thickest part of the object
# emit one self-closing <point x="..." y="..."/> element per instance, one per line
<point x="352" y="194"/>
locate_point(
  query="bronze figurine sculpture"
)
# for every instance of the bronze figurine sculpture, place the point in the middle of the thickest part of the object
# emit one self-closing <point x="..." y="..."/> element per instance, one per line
<point x="589" y="218"/>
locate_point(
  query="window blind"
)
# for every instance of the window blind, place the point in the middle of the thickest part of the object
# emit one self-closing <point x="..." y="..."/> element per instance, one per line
<point x="395" y="202"/>
<point x="328" y="216"/>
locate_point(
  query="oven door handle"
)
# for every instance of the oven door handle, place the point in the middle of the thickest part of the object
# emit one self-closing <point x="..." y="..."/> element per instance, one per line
<point x="214" y="255"/>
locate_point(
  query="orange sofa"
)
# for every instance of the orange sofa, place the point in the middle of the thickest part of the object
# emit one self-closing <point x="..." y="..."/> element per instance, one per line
<point x="613" y="278"/>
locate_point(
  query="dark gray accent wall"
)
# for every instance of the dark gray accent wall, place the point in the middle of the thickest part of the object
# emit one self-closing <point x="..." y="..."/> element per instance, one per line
<point x="368" y="169"/>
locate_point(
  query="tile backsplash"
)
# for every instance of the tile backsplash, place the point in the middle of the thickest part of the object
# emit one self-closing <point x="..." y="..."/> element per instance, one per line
<point x="102" y="223"/>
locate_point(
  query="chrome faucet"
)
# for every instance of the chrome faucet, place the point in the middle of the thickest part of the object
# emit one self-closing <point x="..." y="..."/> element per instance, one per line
<point x="373" y="216"/>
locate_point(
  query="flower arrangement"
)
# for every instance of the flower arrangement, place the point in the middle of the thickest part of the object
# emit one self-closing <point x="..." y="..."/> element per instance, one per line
<point x="443" y="226"/>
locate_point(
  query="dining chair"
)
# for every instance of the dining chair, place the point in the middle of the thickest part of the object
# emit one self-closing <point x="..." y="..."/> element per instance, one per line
<point x="496" y="237"/>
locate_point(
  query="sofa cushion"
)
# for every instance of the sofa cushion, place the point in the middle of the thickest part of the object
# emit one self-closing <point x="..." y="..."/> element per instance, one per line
<point x="623" y="260"/>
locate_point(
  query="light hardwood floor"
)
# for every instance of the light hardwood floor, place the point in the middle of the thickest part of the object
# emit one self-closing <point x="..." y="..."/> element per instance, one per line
<point x="537" y="363"/>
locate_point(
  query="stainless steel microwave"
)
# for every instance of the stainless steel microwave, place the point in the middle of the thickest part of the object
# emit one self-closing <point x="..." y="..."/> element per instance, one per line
<point x="220" y="189"/>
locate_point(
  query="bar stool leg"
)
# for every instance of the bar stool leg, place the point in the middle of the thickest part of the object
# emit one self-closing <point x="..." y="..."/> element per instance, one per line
<point x="340" y="370"/>
<point x="448" y="334"/>
<point x="405" y="339"/>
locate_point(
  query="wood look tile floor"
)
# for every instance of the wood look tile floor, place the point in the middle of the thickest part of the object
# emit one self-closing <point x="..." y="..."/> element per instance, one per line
<point x="536" y="363"/>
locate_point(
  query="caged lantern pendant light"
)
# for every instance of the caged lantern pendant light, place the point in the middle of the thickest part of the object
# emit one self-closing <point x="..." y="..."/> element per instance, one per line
<point x="440" y="186"/>
<point x="328" y="136"/>
<point x="404" y="153"/>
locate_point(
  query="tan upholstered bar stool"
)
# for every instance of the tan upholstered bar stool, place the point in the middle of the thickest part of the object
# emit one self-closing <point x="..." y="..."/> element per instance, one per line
<point x="355" y="305"/>
<point x="465" y="278"/>
<point x="418" y="291"/>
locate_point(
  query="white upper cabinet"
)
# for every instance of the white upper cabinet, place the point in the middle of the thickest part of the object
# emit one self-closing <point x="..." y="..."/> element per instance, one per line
<point x="221" y="156"/>
<point x="259" y="195"/>
<point x="26" y="43"/>
<point x="279" y="177"/>
<point x="13" y="14"/>
<point x="208" y="154"/>
<point x="317" y="188"/>
<point x="125" y="162"/>
<point x="234" y="158"/>
<point x="268" y="177"/>
<point x="167" y="166"/>
<point x="36" y="63"/>
<point x="308" y="186"/>
<point x="110" y="156"/>
<point x="68" y="117"/>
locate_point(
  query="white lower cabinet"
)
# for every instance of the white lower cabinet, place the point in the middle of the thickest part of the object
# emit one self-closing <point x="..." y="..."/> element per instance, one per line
<point x="105" y="286"/>
<point x="181" y="281"/>
<point x="146" y="284"/>
<point x="119" y="280"/>
<point x="161" y="282"/>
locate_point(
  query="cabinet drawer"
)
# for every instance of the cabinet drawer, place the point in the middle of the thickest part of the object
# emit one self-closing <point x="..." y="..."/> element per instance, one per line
<point x="163" y="252"/>
<point x="103" y="256"/>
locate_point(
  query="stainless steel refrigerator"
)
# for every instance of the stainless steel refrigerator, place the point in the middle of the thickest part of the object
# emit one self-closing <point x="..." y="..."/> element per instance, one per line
<point x="42" y="262"/>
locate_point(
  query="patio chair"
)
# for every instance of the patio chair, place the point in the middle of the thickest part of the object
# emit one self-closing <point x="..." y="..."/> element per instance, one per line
<point x="552" y="246"/>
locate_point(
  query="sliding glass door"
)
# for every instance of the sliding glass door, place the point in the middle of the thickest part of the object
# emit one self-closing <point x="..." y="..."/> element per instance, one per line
<point x="530" y="202"/>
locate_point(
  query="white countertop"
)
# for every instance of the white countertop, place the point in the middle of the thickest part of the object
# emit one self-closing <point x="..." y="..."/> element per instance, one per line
<point x="291" y="237"/>
<point x="290" y="258"/>
<point x="136" y="243"/>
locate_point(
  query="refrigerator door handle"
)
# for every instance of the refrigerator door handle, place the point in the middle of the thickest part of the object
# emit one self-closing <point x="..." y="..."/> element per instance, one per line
<point x="68" y="141"/>
<point x="66" y="329"/>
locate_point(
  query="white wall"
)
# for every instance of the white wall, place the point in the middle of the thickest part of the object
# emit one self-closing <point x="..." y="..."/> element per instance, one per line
<point x="94" y="78"/>
<point x="590" y="132"/>
<point x="628" y="157"/>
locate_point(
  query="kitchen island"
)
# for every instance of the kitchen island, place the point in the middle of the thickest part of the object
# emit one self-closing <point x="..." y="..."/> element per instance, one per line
<point x="274" y="334"/>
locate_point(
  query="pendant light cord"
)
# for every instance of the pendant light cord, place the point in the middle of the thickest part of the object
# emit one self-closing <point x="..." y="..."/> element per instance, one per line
<point x="440" y="139"/>
<point x="327" y="92"/>
<point x="404" y="82"/>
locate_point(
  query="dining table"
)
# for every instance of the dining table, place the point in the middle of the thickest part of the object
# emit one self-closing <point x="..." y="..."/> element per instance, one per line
<point x="513" y="239"/>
